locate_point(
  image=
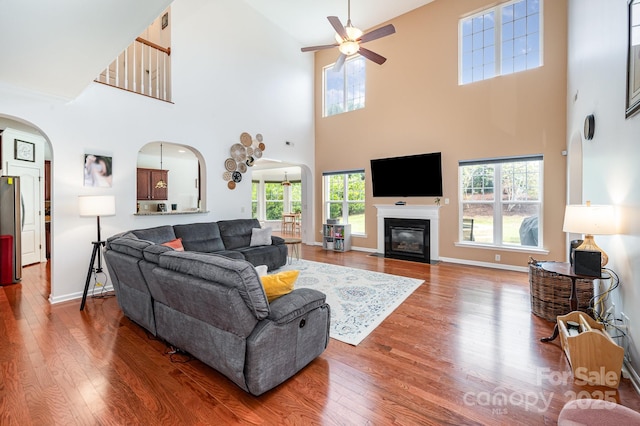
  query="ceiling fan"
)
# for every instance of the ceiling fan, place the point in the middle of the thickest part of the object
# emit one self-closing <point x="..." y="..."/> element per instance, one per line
<point x="350" y="38"/>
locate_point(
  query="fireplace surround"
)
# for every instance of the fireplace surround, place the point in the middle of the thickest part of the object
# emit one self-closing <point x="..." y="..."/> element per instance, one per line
<point x="410" y="211"/>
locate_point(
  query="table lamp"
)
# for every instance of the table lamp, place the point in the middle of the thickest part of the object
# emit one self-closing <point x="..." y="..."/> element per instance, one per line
<point x="95" y="205"/>
<point x="590" y="220"/>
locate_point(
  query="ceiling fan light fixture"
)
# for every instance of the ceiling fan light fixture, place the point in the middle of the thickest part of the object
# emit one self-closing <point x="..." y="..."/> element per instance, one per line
<point x="349" y="47"/>
<point x="353" y="33"/>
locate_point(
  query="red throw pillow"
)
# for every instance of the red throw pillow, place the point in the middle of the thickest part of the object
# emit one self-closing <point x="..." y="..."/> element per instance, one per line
<point x="175" y="244"/>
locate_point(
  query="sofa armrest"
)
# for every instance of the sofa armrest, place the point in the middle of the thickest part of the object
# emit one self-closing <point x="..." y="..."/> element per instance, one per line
<point x="275" y="240"/>
<point x="291" y="306"/>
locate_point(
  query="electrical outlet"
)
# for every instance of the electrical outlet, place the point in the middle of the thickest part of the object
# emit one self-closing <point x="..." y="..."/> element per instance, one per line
<point x="497" y="258"/>
<point x="626" y="322"/>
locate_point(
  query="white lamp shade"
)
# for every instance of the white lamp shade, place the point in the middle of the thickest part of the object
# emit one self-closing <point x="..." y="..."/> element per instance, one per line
<point x="97" y="205"/>
<point x="590" y="220"/>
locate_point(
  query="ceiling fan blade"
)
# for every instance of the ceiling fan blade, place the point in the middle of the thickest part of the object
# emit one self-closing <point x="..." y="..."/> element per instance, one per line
<point x="340" y="62"/>
<point x="372" y="56"/>
<point x="378" y="33"/>
<point x="313" y="48"/>
<point x="337" y="25"/>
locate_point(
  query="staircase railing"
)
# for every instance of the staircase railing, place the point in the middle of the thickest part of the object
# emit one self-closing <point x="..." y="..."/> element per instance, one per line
<point x="143" y="67"/>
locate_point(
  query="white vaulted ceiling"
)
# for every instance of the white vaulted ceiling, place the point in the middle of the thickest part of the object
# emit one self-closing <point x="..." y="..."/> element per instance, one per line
<point x="306" y="20"/>
<point x="59" y="47"/>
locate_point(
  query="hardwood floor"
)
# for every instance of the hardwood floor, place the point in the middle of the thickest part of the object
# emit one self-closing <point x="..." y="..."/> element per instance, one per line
<point x="462" y="349"/>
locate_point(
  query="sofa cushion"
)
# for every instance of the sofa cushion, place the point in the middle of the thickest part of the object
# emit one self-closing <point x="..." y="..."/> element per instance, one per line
<point x="260" y="237"/>
<point x="158" y="235"/>
<point x="131" y="246"/>
<point x="200" y="237"/>
<point x="276" y="285"/>
<point x="237" y="233"/>
<point x="232" y="273"/>
<point x="152" y="252"/>
<point x="274" y="256"/>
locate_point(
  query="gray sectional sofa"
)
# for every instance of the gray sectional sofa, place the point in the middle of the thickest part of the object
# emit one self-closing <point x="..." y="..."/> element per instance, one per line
<point x="209" y="301"/>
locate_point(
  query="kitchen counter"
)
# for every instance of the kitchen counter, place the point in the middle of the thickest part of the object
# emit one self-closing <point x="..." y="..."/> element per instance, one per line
<point x="150" y="213"/>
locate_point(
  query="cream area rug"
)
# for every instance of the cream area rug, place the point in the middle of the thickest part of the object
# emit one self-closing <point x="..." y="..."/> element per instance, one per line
<point x="360" y="300"/>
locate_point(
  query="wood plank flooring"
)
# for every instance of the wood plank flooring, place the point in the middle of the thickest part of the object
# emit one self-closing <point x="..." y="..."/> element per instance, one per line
<point x="462" y="349"/>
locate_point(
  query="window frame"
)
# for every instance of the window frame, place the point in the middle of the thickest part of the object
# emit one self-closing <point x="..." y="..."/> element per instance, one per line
<point x="261" y="200"/>
<point x="346" y="83"/>
<point x="326" y="201"/>
<point x="498" y="42"/>
<point x="498" y="203"/>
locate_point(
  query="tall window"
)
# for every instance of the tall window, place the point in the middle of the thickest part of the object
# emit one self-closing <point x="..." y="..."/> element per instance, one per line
<point x="255" y="188"/>
<point x="274" y="200"/>
<point x="343" y="198"/>
<point x="344" y="90"/>
<point x="501" y="40"/>
<point x="296" y="197"/>
<point x="501" y="201"/>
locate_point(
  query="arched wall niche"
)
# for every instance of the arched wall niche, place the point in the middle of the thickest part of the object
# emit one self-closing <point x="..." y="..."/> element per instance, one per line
<point x="186" y="177"/>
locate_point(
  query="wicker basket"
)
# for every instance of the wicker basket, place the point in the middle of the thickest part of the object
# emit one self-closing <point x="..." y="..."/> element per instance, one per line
<point x="550" y="293"/>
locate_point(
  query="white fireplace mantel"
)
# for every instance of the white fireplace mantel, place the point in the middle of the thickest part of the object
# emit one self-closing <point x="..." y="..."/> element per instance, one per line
<point x="411" y="211"/>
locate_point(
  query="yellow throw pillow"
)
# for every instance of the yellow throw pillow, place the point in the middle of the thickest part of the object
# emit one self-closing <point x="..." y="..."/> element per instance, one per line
<point x="276" y="285"/>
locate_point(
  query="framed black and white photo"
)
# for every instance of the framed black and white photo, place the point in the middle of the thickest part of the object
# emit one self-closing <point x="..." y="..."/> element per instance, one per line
<point x="25" y="151"/>
<point x="633" y="59"/>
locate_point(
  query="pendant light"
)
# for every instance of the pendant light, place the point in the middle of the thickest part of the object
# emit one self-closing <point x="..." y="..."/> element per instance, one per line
<point x="286" y="182"/>
<point x="161" y="184"/>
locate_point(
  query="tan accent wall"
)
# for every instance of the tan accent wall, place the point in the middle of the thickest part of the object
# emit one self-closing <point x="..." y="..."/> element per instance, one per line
<point x="414" y="105"/>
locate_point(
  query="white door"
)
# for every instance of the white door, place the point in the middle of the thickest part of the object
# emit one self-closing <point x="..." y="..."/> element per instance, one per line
<point x="31" y="213"/>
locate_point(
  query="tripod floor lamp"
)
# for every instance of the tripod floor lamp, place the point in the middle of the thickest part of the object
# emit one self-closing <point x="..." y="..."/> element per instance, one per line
<point x="95" y="205"/>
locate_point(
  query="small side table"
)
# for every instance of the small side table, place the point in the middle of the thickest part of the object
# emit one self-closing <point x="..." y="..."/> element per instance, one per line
<point x="294" y="243"/>
<point x="565" y="269"/>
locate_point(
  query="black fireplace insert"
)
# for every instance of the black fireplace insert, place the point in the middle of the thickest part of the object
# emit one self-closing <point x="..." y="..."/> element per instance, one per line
<point x="407" y="239"/>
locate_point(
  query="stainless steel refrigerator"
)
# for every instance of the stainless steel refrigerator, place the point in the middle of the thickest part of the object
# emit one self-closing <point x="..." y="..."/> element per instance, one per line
<point x="10" y="230"/>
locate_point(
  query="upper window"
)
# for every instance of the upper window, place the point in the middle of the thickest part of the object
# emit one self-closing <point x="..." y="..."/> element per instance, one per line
<point x="343" y="198"/>
<point x="501" y="40"/>
<point x="344" y="89"/>
<point x="501" y="201"/>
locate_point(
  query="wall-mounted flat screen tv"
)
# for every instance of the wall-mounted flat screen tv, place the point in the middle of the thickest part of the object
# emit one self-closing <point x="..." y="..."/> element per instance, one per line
<point x="409" y="176"/>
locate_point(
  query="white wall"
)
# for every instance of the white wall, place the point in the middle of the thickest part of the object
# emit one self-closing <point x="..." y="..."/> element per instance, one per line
<point x="227" y="80"/>
<point x="597" y="77"/>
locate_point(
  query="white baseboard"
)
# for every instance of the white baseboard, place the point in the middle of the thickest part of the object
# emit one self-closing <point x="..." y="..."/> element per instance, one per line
<point x="76" y="295"/>
<point x="485" y="264"/>
<point x="457" y="261"/>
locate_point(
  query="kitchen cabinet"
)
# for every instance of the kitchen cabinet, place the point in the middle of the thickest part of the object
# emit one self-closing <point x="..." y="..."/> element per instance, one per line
<point x="146" y="180"/>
